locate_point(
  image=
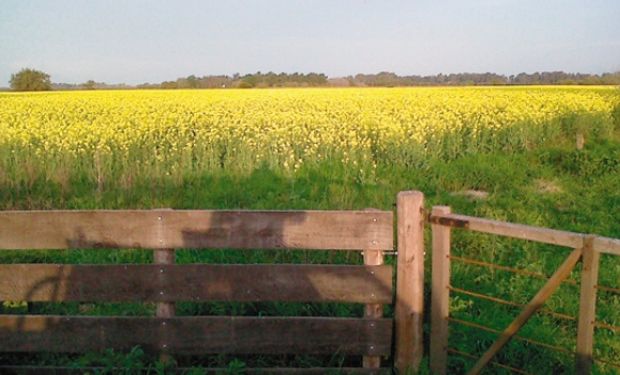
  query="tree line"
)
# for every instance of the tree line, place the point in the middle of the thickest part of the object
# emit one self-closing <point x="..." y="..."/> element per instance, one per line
<point x="389" y="79"/>
<point x="34" y="80"/>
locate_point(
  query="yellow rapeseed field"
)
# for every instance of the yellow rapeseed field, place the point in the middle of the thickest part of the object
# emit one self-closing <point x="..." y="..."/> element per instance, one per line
<point x="285" y="128"/>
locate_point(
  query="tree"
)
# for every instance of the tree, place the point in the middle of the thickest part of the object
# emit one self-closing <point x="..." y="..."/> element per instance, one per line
<point x="89" y="85"/>
<point x="30" y="80"/>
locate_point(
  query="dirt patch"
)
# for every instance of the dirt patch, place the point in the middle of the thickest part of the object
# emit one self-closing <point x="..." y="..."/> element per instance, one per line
<point x="548" y="187"/>
<point x="472" y="194"/>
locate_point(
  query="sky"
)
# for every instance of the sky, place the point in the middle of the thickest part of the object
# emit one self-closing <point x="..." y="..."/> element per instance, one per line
<point x="137" y="41"/>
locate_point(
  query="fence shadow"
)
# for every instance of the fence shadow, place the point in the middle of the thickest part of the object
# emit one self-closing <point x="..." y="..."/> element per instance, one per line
<point x="226" y="229"/>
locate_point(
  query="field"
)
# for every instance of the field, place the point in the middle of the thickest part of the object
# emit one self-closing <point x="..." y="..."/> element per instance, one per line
<point x="500" y="152"/>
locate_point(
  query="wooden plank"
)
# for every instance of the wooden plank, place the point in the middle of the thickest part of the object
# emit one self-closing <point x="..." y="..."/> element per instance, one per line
<point x="408" y="312"/>
<point x="373" y="310"/>
<point x="587" y="307"/>
<point x="607" y="245"/>
<point x="196" y="282"/>
<point x="61" y="370"/>
<point x="501" y="228"/>
<point x="162" y="229"/>
<point x="164" y="309"/>
<point x="440" y="294"/>
<point x="539" y="299"/>
<point x="196" y="335"/>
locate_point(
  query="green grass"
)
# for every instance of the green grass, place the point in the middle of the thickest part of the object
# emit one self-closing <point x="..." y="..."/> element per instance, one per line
<point x="554" y="186"/>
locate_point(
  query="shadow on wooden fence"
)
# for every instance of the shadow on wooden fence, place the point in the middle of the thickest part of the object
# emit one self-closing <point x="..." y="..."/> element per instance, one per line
<point x="166" y="283"/>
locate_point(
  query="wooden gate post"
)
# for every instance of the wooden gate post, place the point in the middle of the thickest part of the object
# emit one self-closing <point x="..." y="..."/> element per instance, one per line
<point x="373" y="310"/>
<point x="408" y="312"/>
<point x="163" y="309"/>
<point x="440" y="294"/>
<point x="587" y="307"/>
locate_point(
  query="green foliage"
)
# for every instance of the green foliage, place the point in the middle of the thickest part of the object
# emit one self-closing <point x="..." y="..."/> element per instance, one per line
<point x="616" y="115"/>
<point x="553" y="186"/>
<point x="30" y="80"/>
<point x="592" y="161"/>
<point x="245" y="85"/>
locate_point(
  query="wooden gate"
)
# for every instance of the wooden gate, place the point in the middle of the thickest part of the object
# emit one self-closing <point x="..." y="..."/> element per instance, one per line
<point x="165" y="282"/>
<point x="587" y="249"/>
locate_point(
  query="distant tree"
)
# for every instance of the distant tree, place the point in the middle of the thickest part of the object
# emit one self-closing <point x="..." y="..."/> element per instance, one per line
<point x="89" y="85"/>
<point x="169" y="85"/>
<point x="244" y="85"/>
<point x="30" y="80"/>
<point x="192" y="82"/>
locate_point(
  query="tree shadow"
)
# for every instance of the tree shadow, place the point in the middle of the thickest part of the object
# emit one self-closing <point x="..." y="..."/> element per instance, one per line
<point x="225" y="229"/>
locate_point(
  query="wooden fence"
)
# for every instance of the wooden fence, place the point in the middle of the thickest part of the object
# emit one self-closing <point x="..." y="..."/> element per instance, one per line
<point x="165" y="283"/>
<point x="587" y="249"/>
<point x="371" y="284"/>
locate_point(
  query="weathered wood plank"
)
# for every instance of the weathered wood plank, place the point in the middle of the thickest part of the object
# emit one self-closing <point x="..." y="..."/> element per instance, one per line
<point x="60" y="370"/>
<point x="164" y="309"/>
<point x="587" y="308"/>
<point x="196" y="335"/>
<point x="373" y="310"/>
<point x="535" y="303"/>
<point x="409" y="307"/>
<point x="161" y="229"/>
<point x="440" y="295"/>
<point x="196" y="282"/>
<point x="501" y="228"/>
<point x="607" y="245"/>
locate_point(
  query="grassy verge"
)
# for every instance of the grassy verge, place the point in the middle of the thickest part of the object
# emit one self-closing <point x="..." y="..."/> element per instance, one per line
<point x="554" y="186"/>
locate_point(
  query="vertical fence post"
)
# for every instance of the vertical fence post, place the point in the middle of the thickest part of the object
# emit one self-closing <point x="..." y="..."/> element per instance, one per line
<point x="164" y="309"/>
<point x="440" y="294"/>
<point x="408" y="312"/>
<point x="373" y="310"/>
<point x="587" y="307"/>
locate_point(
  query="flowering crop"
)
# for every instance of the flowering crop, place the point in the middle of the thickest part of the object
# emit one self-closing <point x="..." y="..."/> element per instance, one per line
<point x="164" y="132"/>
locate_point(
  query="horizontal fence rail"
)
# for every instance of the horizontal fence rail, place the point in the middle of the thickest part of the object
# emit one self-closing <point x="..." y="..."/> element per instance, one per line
<point x="169" y="229"/>
<point x="526" y="232"/>
<point x="196" y="282"/>
<point x="62" y="370"/>
<point x="196" y="334"/>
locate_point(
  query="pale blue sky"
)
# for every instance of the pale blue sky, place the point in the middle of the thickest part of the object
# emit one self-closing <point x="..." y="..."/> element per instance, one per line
<point x="136" y="41"/>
